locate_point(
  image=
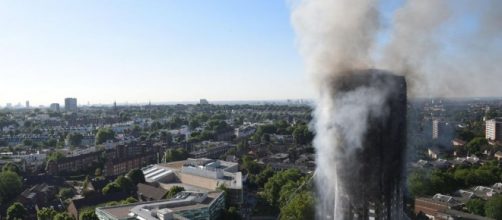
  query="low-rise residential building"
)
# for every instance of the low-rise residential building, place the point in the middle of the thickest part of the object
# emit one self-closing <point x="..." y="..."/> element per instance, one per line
<point x="498" y="155"/>
<point x="73" y="163"/>
<point x="245" y="131"/>
<point x="211" y="150"/>
<point x="37" y="196"/>
<point x="76" y="206"/>
<point x="441" y="210"/>
<point x="484" y="192"/>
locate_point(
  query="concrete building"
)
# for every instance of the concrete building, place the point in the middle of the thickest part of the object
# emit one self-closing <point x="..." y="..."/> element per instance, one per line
<point x="203" y="175"/>
<point x="435" y="128"/>
<point x="493" y="131"/>
<point x="185" y="205"/>
<point x="54" y="107"/>
<point x="70" y="104"/>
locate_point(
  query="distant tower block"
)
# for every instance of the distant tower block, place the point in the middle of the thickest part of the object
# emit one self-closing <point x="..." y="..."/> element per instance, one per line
<point x="70" y="104"/>
<point x="371" y="178"/>
<point x="54" y="107"/>
<point x="493" y="129"/>
<point x="204" y="102"/>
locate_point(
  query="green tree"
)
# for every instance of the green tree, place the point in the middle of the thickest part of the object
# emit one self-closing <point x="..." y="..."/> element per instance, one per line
<point x="104" y="134"/>
<point x="193" y="123"/>
<point x="250" y="165"/>
<point x="275" y="183"/>
<point x="129" y="200"/>
<point x="124" y="184"/>
<point x="231" y="214"/>
<point x="443" y="182"/>
<point x="11" y="167"/>
<point x="74" y="139"/>
<point x="263" y="176"/>
<point x="98" y="172"/>
<point x="136" y="176"/>
<point x="476" y="206"/>
<point x="300" y="207"/>
<point x="176" y="154"/>
<point x="16" y="212"/>
<point x="63" y="216"/>
<point x="88" y="214"/>
<point x="493" y="207"/>
<point x="173" y="191"/>
<point x="46" y="213"/>
<point x="166" y="137"/>
<point x="66" y="193"/>
<point x="10" y="185"/>
<point x="27" y="142"/>
<point x="419" y="184"/>
<point x="111" y="188"/>
<point x="474" y="146"/>
<point x="55" y="155"/>
<point x="302" y="135"/>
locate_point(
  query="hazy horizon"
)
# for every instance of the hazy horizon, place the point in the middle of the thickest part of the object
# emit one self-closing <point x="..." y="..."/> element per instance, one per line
<point x="172" y="51"/>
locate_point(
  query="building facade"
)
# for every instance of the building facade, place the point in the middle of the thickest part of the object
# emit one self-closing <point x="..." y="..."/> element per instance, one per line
<point x="70" y="104"/>
<point x="493" y="130"/>
<point x="54" y="107"/>
<point x="185" y="205"/>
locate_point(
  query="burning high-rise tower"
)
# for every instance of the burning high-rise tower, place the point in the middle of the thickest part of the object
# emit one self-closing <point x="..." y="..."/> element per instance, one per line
<point x="361" y="142"/>
<point x="369" y="171"/>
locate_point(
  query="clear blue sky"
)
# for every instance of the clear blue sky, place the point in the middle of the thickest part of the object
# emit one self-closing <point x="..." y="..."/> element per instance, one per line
<point x="136" y="51"/>
<point x="159" y="51"/>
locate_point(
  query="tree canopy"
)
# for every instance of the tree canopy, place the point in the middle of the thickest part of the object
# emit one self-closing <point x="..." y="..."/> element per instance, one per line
<point x="10" y="185"/>
<point x="88" y="214"/>
<point x="46" y="213"/>
<point x="300" y="207"/>
<point x="174" y="190"/>
<point x="74" y="139"/>
<point x="176" y="154"/>
<point x="476" y="206"/>
<point x="16" y="212"/>
<point x="136" y="176"/>
<point x="104" y="134"/>
<point x="275" y="183"/>
<point x="302" y="134"/>
<point x="63" y="216"/>
<point x="493" y="207"/>
<point x="11" y="167"/>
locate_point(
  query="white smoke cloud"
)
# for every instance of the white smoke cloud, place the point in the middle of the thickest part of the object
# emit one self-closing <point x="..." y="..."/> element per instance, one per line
<point x="440" y="59"/>
<point x="337" y="37"/>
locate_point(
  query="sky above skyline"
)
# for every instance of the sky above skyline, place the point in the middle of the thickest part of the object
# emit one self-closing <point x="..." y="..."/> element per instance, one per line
<point x="138" y="51"/>
<point x="158" y="51"/>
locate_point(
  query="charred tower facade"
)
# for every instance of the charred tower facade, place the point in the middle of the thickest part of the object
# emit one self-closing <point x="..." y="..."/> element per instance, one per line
<point x="370" y="175"/>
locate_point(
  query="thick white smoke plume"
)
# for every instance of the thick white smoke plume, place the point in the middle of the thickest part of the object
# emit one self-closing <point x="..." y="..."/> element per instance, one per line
<point x="443" y="47"/>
